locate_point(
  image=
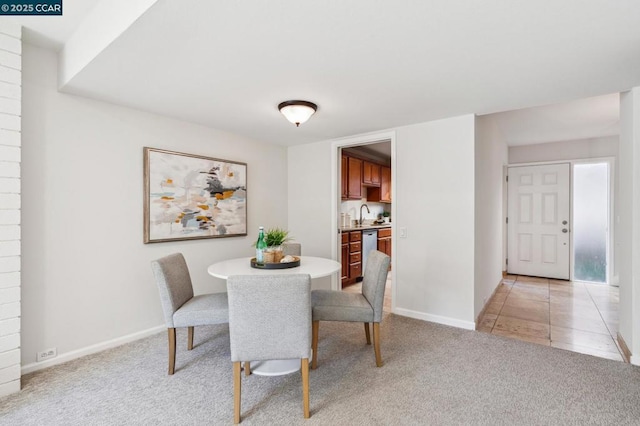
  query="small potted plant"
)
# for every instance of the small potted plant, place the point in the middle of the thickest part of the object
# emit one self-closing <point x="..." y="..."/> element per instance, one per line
<point x="275" y="238"/>
<point x="386" y="216"/>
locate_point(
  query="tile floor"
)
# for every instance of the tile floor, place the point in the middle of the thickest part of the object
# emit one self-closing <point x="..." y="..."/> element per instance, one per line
<point x="576" y="316"/>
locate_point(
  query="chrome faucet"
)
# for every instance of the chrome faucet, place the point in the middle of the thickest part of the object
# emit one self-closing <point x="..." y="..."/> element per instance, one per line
<point x="368" y="211"/>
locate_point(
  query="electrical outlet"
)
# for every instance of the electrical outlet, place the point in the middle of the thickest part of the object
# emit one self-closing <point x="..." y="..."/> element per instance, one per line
<point x="46" y="354"/>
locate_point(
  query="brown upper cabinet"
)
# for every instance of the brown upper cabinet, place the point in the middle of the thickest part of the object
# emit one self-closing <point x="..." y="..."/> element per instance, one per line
<point x="352" y="178"/>
<point x="385" y="184"/>
<point x="381" y="194"/>
<point x="357" y="173"/>
<point x="345" y="176"/>
<point x="370" y="174"/>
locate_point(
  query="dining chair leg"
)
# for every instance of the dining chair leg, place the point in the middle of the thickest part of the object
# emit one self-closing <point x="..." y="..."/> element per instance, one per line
<point x="366" y="333"/>
<point x="190" y="339"/>
<point x="236" y="392"/>
<point x="305" y="387"/>
<point x="376" y="343"/>
<point x="247" y="368"/>
<point x="314" y="344"/>
<point x="172" y="350"/>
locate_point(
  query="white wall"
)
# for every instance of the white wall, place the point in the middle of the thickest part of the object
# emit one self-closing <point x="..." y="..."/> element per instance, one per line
<point x="309" y="200"/>
<point x="434" y="196"/>
<point x="435" y="202"/>
<point x="86" y="271"/>
<point x="10" y="202"/>
<point x="628" y="237"/>
<point x="491" y="155"/>
<point x="565" y="150"/>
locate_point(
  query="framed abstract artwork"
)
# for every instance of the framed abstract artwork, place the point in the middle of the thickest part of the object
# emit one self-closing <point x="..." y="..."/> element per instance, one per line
<point x="190" y="197"/>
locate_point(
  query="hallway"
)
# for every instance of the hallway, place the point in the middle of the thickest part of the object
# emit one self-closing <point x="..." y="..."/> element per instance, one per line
<point x="576" y="316"/>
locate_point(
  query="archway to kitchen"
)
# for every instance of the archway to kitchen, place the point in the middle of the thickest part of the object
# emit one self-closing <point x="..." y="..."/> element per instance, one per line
<point x="364" y="208"/>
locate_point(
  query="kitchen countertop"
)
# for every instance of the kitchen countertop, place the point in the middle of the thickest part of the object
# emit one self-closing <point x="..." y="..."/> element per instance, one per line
<point x="363" y="227"/>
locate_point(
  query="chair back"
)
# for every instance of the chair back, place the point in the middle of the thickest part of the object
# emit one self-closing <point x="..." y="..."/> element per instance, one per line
<point x="174" y="283"/>
<point x="374" y="281"/>
<point x="269" y="316"/>
<point x="293" y="249"/>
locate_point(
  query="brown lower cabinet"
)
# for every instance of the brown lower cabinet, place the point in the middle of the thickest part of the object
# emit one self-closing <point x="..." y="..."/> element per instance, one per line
<point x="345" y="256"/>
<point x="384" y="242"/>
<point x="351" y="257"/>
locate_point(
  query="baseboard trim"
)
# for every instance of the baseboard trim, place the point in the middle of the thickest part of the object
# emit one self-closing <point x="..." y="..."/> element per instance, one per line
<point x="481" y="314"/>
<point x="626" y="353"/>
<point x="99" y="347"/>
<point x="467" y="325"/>
<point x="504" y="274"/>
<point x="9" y="388"/>
<point x="484" y="308"/>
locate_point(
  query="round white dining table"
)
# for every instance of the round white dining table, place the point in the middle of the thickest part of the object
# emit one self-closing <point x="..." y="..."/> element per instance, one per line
<point x="316" y="267"/>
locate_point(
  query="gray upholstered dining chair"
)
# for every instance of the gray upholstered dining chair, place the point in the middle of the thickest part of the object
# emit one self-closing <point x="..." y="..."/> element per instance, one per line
<point x="180" y="307"/>
<point x="328" y="305"/>
<point x="269" y="318"/>
<point x="293" y="249"/>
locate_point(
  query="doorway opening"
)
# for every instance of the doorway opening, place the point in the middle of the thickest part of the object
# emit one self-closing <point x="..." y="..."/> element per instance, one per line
<point x="538" y="220"/>
<point x="591" y="222"/>
<point x="364" y="209"/>
<point x="542" y="242"/>
<point x="579" y="314"/>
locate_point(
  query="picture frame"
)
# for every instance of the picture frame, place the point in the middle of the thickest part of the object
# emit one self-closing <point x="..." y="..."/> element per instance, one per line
<point x="190" y="197"/>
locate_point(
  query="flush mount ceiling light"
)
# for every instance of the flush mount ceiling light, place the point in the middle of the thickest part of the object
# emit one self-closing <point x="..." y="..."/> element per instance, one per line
<point x="297" y="112"/>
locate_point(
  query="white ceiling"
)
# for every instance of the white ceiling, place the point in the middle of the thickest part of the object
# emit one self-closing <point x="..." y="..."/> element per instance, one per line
<point x="369" y="65"/>
<point x="53" y="31"/>
<point x="581" y="119"/>
<point x="380" y="151"/>
<point x="381" y="148"/>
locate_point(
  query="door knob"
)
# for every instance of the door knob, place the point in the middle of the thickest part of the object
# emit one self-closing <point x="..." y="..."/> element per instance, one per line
<point x="565" y="230"/>
<point x="564" y="222"/>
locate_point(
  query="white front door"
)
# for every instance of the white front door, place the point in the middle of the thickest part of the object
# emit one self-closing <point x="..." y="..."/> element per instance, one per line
<point x="538" y="221"/>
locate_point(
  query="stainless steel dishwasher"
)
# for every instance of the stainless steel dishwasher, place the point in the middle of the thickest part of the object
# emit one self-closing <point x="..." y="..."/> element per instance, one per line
<point x="369" y="242"/>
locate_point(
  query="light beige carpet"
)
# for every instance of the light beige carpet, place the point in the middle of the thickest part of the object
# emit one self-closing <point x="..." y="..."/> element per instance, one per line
<point x="433" y="374"/>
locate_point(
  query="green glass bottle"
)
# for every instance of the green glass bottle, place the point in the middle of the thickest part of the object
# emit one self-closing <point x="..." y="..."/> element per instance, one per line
<point x="261" y="246"/>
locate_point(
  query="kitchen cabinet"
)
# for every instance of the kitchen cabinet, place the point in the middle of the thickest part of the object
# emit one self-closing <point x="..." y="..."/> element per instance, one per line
<point x="370" y="174"/>
<point x="385" y="184"/>
<point x="351" y="178"/>
<point x="345" y="255"/>
<point x="358" y="174"/>
<point x="345" y="176"/>
<point x="384" y="242"/>
<point x="354" y="185"/>
<point x="381" y="194"/>
<point x="351" y="257"/>
<point x="355" y="255"/>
